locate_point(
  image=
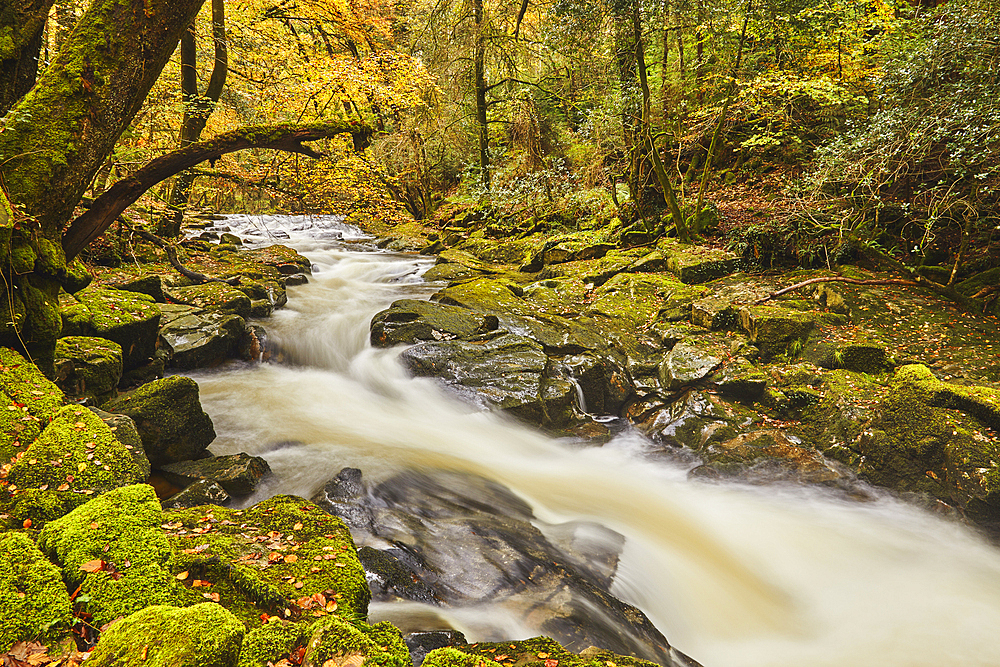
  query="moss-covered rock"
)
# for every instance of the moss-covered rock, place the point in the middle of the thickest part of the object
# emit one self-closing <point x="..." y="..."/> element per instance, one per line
<point x="272" y="642"/>
<point x="114" y="550"/>
<point x="130" y="319"/>
<point x="282" y="554"/>
<point x="24" y="383"/>
<point x="379" y="645"/>
<point x="537" y="652"/>
<point x="776" y="330"/>
<point x="205" y="635"/>
<point x="213" y="296"/>
<point x="151" y="285"/>
<point x="126" y="433"/>
<point x="88" y="367"/>
<point x="929" y="437"/>
<point x="75" y="458"/>
<point x="697" y="264"/>
<point x="409" y="320"/>
<point x="33" y="596"/>
<point x="169" y="418"/>
<point x="693" y="359"/>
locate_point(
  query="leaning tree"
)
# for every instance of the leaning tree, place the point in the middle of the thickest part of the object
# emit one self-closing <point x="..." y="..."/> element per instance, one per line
<point x="60" y="129"/>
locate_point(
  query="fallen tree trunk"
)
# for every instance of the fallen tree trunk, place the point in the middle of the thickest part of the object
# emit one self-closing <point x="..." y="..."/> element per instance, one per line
<point x="105" y="209"/>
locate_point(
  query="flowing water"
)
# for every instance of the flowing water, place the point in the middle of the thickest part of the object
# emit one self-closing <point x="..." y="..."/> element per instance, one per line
<point x="732" y="575"/>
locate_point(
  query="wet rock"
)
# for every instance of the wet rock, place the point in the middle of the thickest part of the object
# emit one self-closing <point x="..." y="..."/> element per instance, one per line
<point x="213" y="296"/>
<point x="605" y="385"/>
<point x="931" y="437"/>
<point x="393" y="574"/>
<point x="127" y="318"/>
<point x="238" y="474"/>
<point x="467" y="539"/>
<point x="776" y="330"/>
<point x="296" y="279"/>
<point x="169" y="418"/>
<point x="691" y="360"/>
<point x="409" y="320"/>
<point x="506" y="371"/>
<point x="33" y="596"/>
<point x="231" y="239"/>
<point x="201" y="492"/>
<point x="88" y="367"/>
<point x="528" y="651"/>
<point x="770" y="456"/>
<point x="74" y="459"/>
<point x="205" y="635"/>
<point x="198" y="338"/>
<point x="741" y="380"/>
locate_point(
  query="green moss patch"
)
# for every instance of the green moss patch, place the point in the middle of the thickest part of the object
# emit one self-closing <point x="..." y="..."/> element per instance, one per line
<point x="88" y="367"/>
<point x="537" y="652"/>
<point x="213" y="296"/>
<point x="282" y="555"/>
<point x="130" y="319"/>
<point x="33" y="596"/>
<point x="379" y="645"/>
<point x="205" y="635"/>
<point x="75" y="458"/>
<point x="114" y="550"/>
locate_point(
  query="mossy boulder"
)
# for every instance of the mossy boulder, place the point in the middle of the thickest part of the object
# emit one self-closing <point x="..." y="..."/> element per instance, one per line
<point x="169" y="418"/>
<point x="276" y="255"/>
<point x="151" y="285"/>
<point x="776" y="330"/>
<point x="197" y="338"/>
<point x="379" y="645"/>
<point x="282" y="554"/>
<point x="205" y="635"/>
<point x="114" y="550"/>
<point x="28" y="400"/>
<point x="213" y="296"/>
<point x="697" y="264"/>
<point x="126" y="433"/>
<point x="75" y="458"/>
<point x="931" y="437"/>
<point x="130" y="319"/>
<point x="693" y="359"/>
<point x="409" y="320"/>
<point x="539" y="652"/>
<point x="272" y="642"/>
<point x="33" y="597"/>
<point x="238" y="474"/>
<point x="88" y="367"/>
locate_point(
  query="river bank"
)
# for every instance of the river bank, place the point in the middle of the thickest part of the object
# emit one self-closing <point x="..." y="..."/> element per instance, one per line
<point x="313" y="431"/>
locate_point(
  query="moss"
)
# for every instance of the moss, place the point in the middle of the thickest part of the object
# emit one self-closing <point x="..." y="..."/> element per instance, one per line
<point x="130" y="319"/>
<point x="536" y="652"/>
<point x="269" y="643"/>
<point x="697" y="264"/>
<point x="776" y="330"/>
<point x="88" y="367"/>
<point x="214" y="296"/>
<point x="75" y="458"/>
<point x="637" y="299"/>
<point x="33" y="597"/>
<point x="379" y="645"/>
<point x="205" y="635"/>
<point x="121" y="532"/>
<point x="168" y="415"/>
<point x="270" y="558"/>
<point x="18" y="428"/>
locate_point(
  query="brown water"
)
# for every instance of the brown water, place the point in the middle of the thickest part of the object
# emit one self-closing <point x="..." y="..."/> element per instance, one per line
<point x="733" y="575"/>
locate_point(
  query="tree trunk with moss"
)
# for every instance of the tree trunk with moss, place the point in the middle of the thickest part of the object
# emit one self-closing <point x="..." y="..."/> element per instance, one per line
<point x="53" y="141"/>
<point x="21" y="25"/>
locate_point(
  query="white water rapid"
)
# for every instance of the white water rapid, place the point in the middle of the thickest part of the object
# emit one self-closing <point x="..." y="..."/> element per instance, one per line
<point x="732" y="575"/>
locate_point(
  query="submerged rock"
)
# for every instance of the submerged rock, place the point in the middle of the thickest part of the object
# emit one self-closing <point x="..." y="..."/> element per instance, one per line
<point x="465" y="539"/>
<point x="408" y="321"/>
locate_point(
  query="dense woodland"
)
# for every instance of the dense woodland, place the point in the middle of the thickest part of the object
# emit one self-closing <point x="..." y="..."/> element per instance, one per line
<point x="795" y="130"/>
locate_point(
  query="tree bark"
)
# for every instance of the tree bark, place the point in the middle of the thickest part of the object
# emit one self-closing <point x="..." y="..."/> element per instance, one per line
<point x="58" y="135"/>
<point x="21" y="25"/>
<point x="479" y="65"/>
<point x="105" y="209"/>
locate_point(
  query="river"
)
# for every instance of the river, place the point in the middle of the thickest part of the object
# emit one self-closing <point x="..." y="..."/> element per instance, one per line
<point x="733" y="575"/>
